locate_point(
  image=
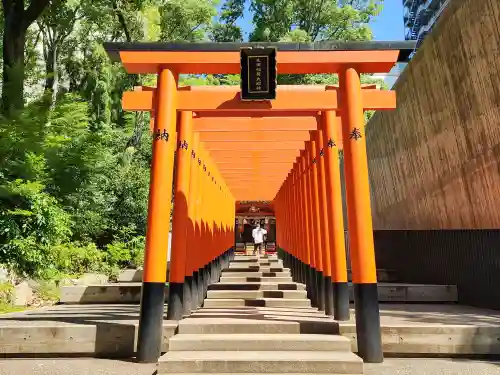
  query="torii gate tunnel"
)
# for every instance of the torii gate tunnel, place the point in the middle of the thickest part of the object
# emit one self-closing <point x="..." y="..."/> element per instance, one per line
<point x="285" y="150"/>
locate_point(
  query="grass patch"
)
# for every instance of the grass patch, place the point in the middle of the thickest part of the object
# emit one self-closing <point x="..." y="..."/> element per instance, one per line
<point x="6" y="308"/>
<point x="47" y="291"/>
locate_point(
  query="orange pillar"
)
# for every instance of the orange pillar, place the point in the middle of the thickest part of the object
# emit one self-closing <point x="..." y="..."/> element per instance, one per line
<point x="190" y="295"/>
<point x="200" y="229"/>
<point x="208" y="241"/>
<point x="360" y="228"/>
<point x="160" y="194"/>
<point x="296" y="225"/>
<point x="313" y="279"/>
<point x="280" y="220"/>
<point x="340" y="285"/>
<point x="301" y="220"/>
<point x="324" y="224"/>
<point x="180" y="219"/>
<point x="318" y="238"/>
<point x="307" y="234"/>
<point x="286" y="221"/>
<point x="291" y="224"/>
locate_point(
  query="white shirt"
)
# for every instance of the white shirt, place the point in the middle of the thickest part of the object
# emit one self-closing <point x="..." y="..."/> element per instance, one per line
<point x="258" y="235"/>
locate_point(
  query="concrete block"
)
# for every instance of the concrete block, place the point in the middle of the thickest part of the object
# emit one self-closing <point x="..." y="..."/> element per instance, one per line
<point x="225" y="325"/>
<point x="134" y="275"/>
<point x="110" y="293"/>
<point x="433" y="339"/>
<point x="260" y="362"/>
<point x="259" y="342"/>
<point x="394" y="292"/>
<point x="23" y="294"/>
<point x="130" y="276"/>
<point x="261" y="302"/>
<point x="101" y="339"/>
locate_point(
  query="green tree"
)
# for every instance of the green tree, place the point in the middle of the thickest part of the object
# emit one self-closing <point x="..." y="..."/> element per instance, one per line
<point x="186" y="20"/>
<point x="56" y="24"/>
<point x="225" y="29"/>
<point x="320" y="20"/>
<point x="17" y="19"/>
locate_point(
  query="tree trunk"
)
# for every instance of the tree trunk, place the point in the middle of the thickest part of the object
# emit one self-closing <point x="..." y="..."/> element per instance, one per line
<point x="17" y="20"/>
<point x="52" y="80"/>
<point x="14" y="37"/>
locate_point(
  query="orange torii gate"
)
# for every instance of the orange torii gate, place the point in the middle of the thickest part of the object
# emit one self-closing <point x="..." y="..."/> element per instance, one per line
<point x="209" y="180"/>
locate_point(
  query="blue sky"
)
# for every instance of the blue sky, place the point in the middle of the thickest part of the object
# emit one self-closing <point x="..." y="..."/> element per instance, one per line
<point x="387" y="26"/>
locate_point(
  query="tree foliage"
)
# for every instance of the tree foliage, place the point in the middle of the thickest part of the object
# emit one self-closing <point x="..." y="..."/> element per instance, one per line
<point x="74" y="168"/>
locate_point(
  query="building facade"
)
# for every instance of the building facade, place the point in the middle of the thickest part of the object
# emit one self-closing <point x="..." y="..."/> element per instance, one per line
<point x="420" y="16"/>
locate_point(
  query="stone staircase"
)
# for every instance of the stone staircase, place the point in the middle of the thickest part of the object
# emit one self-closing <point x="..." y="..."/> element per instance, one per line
<point x="257" y="320"/>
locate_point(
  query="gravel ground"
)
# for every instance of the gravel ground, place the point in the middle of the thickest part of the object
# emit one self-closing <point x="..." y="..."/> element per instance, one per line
<point x="93" y="366"/>
<point x="84" y="366"/>
<point x="427" y="366"/>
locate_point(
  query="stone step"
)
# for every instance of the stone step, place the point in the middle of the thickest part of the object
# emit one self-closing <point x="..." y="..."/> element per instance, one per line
<point x="255" y="269"/>
<point x="249" y="294"/>
<point x="259" y="342"/>
<point x="260" y="302"/>
<point x="255" y="279"/>
<point x="255" y="373"/>
<point x="388" y="292"/>
<point x="196" y="326"/>
<point x="253" y="264"/>
<point x="105" y="293"/>
<point x="253" y="258"/>
<point x="256" y="274"/>
<point x="230" y="362"/>
<point x="257" y="286"/>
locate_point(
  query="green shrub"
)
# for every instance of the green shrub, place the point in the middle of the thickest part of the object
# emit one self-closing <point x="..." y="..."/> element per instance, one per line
<point x="76" y="259"/>
<point x="6" y="293"/>
<point x="125" y="254"/>
<point x="32" y="222"/>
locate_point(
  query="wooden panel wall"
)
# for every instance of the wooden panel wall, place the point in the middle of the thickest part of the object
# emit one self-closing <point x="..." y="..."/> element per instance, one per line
<point x="435" y="161"/>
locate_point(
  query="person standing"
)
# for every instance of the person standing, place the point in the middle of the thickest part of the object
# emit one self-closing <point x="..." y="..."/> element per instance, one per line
<point x="258" y="239"/>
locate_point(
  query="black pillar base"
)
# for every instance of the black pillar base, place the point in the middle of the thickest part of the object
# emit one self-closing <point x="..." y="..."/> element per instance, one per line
<point x="206" y="279"/>
<point x="150" y="336"/>
<point x="320" y="282"/>
<point x="341" y="301"/>
<point x="328" y="296"/>
<point x="201" y="286"/>
<point x="292" y="267"/>
<point x="368" y="323"/>
<point x="175" y="301"/>
<point x="213" y="271"/>
<point x="303" y="273"/>
<point x="187" y="295"/>
<point x="296" y="269"/>
<point x="312" y="285"/>
<point x="194" y="291"/>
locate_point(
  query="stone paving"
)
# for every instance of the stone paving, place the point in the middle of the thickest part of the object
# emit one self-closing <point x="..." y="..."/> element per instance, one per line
<point x="93" y="366"/>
